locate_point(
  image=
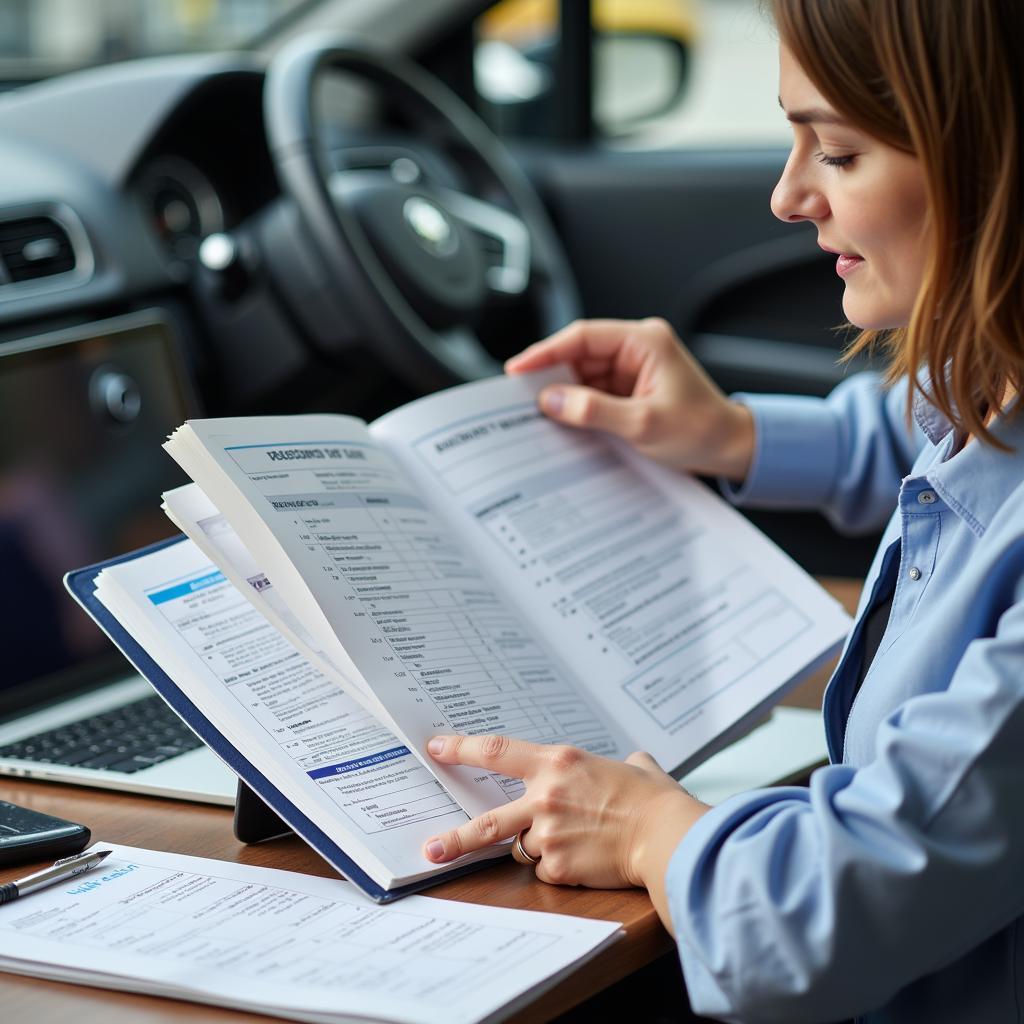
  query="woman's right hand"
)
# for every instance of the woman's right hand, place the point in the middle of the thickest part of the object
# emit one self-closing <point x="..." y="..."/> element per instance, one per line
<point x="641" y="384"/>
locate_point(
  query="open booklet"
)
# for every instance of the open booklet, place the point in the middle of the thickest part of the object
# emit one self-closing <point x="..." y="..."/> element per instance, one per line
<point x="461" y="565"/>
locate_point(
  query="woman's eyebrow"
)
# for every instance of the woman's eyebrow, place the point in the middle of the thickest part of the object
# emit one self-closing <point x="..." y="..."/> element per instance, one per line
<point x="812" y="115"/>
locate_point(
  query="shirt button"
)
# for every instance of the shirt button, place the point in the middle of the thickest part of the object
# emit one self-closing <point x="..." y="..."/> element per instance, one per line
<point x="914" y="573"/>
<point x="926" y="498"/>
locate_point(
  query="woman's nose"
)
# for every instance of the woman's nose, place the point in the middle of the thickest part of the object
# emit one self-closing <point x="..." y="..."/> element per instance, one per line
<point x="797" y="197"/>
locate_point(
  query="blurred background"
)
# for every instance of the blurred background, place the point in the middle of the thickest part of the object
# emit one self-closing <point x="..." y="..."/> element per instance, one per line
<point x="666" y="73"/>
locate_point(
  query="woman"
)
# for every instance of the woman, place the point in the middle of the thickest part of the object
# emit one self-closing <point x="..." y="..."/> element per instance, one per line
<point x="894" y="885"/>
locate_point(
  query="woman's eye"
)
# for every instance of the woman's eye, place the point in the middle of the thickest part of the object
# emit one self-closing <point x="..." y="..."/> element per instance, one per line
<point x="833" y="161"/>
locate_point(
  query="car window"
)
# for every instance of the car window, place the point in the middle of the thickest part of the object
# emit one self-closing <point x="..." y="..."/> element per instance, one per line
<point x="666" y="73"/>
<point x="39" y="38"/>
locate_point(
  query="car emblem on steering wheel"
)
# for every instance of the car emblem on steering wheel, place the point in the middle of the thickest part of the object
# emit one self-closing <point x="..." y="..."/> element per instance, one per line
<point x="431" y="227"/>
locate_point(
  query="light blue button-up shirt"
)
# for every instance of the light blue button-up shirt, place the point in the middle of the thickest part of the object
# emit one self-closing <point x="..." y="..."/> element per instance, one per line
<point x="891" y="889"/>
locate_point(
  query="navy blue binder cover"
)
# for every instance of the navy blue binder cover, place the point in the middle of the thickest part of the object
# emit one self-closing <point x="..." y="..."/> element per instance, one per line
<point x="82" y="585"/>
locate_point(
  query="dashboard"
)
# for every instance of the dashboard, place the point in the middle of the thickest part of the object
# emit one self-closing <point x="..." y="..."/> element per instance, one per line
<point x="207" y="168"/>
<point x="113" y="176"/>
<point x="133" y="162"/>
<point x="118" y="179"/>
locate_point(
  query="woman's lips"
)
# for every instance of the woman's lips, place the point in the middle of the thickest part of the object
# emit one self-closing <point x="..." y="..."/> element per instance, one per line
<point x="847" y="264"/>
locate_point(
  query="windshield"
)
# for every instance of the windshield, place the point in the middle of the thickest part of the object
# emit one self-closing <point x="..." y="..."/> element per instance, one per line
<point x="45" y="37"/>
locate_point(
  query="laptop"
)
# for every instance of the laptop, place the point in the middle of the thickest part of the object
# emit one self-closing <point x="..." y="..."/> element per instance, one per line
<point x="82" y="416"/>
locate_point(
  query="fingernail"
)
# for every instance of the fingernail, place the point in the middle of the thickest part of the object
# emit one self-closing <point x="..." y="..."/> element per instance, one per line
<point x="435" y="849"/>
<point x="552" y="401"/>
<point x="436" y="745"/>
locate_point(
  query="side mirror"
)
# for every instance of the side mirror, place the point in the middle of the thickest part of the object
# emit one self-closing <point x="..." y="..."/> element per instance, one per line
<point x="637" y="77"/>
<point x="514" y="87"/>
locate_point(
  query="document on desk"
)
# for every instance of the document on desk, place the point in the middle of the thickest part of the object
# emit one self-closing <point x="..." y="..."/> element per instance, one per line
<point x="290" y="945"/>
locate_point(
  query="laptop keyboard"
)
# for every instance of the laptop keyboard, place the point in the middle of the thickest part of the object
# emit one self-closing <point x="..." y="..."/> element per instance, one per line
<point x="132" y="737"/>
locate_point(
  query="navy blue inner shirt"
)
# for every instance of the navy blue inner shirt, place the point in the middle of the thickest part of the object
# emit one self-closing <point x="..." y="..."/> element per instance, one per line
<point x="876" y="618"/>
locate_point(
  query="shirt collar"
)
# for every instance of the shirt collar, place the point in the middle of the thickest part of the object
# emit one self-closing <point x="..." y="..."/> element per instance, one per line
<point x="931" y="420"/>
<point x="975" y="482"/>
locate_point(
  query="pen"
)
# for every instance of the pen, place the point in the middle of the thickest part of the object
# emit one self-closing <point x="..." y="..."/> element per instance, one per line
<point x="59" y="871"/>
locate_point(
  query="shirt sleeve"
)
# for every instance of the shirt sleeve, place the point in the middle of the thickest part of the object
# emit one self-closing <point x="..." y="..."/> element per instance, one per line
<point x="803" y="905"/>
<point x="844" y="455"/>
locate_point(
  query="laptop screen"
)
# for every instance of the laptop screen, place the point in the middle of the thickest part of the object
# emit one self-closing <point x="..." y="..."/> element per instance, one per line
<point x="82" y="417"/>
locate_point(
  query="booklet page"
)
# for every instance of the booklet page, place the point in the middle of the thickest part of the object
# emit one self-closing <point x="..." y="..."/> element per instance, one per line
<point x="197" y="517"/>
<point x="329" y="756"/>
<point x="287" y="944"/>
<point x="385" y="589"/>
<point x="677" y="614"/>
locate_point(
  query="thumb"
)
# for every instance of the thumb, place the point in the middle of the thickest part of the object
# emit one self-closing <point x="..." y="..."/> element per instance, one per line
<point x="579" y="406"/>
<point x="641" y="759"/>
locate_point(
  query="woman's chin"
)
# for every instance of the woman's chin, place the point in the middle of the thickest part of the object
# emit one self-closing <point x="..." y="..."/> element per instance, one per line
<point x="872" y="316"/>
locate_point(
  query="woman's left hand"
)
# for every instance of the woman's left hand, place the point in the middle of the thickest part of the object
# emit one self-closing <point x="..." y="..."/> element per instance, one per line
<point x="590" y="820"/>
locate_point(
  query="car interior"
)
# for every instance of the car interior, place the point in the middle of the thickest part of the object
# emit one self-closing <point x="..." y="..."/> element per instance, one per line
<point x="285" y="207"/>
<point x="238" y="207"/>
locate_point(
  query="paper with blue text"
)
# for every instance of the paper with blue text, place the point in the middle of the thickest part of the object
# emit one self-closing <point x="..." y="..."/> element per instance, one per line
<point x="291" y="945"/>
<point x="321" y="749"/>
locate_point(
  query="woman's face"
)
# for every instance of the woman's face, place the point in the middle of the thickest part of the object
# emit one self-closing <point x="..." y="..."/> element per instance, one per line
<point x="866" y="199"/>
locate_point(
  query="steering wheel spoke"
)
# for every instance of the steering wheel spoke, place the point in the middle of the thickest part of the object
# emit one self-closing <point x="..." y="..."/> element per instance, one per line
<point x="504" y="237"/>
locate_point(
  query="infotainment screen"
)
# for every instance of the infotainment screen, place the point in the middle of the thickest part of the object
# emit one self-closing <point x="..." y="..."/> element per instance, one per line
<point x="82" y="416"/>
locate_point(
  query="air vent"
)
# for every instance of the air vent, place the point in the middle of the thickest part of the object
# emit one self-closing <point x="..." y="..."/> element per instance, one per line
<point x="35" y="247"/>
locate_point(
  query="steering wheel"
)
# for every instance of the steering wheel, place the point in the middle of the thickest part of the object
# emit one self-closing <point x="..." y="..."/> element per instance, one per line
<point x="414" y="235"/>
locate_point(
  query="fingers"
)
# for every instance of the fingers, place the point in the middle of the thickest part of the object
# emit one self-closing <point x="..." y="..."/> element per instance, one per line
<point x="641" y="759"/>
<point x="496" y="752"/>
<point x="578" y="406"/>
<point x="594" y="340"/>
<point x="485" y="830"/>
<point x="526" y="846"/>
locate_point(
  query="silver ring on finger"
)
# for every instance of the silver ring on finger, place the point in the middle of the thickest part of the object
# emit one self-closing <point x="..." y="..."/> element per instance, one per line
<point x="519" y="853"/>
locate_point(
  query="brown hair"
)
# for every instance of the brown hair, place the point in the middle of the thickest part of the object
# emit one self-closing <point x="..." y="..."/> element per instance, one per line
<point x="940" y="79"/>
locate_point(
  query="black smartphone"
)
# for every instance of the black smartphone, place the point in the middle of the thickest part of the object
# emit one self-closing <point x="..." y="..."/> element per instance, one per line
<point x="28" y="835"/>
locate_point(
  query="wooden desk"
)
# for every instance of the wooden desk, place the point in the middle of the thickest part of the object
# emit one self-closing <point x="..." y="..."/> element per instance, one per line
<point x="205" y="831"/>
